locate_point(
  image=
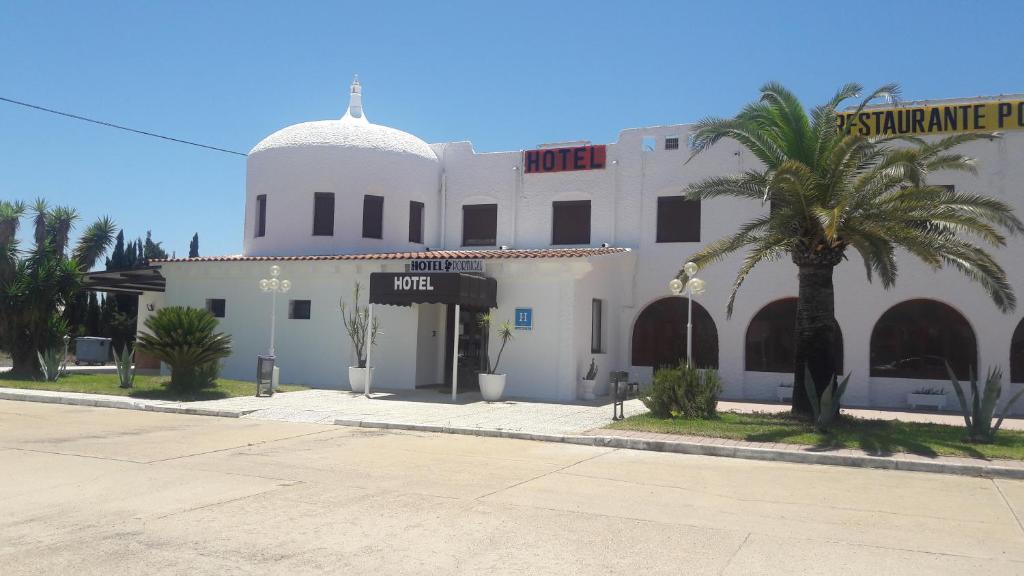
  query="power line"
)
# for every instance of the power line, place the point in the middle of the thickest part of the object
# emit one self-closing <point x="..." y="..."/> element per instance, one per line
<point x="119" y="127"/>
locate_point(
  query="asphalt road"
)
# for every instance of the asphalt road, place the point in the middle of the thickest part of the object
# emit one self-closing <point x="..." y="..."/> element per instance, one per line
<point x="102" y="491"/>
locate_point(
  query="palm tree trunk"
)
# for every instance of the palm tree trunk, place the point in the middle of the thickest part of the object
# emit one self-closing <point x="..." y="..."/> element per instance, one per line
<point x="24" y="363"/>
<point x="815" y="332"/>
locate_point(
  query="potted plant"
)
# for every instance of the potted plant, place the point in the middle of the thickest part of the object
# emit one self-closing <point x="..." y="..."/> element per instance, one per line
<point x="588" y="381"/>
<point x="931" y="397"/>
<point x="356" y="320"/>
<point x="492" y="383"/>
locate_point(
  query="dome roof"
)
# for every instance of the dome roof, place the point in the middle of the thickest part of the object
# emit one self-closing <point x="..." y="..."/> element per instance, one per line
<point x="353" y="130"/>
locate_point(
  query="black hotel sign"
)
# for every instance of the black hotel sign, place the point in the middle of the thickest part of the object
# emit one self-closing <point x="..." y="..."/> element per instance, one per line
<point x="564" y="159"/>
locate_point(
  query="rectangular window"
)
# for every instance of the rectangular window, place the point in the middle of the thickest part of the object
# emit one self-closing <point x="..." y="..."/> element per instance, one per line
<point x="416" y="222"/>
<point x="596" y="344"/>
<point x="373" y="216"/>
<point x="480" y="225"/>
<point x="216" y="306"/>
<point x="299" y="309"/>
<point x="261" y="215"/>
<point x="672" y="143"/>
<point x="678" y="219"/>
<point x="323" y="214"/>
<point x="570" y="222"/>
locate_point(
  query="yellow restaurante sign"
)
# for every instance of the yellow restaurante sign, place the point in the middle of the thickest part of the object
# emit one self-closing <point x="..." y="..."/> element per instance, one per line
<point x="940" y="119"/>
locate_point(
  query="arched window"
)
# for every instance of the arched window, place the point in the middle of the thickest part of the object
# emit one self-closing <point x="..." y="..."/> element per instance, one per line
<point x="913" y="339"/>
<point x="659" y="336"/>
<point x="771" y="337"/>
<point x="1017" y="354"/>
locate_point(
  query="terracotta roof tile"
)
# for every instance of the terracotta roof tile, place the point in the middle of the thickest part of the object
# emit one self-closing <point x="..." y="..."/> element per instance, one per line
<point x="492" y="254"/>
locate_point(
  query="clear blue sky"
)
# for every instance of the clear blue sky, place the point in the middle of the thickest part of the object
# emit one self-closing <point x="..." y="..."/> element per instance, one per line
<point x="506" y="76"/>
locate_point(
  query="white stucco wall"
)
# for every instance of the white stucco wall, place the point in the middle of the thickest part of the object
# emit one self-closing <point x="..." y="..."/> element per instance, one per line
<point x="546" y="362"/>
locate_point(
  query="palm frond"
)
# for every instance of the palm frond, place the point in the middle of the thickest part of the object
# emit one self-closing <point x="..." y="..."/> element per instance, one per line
<point x="767" y="249"/>
<point x="94" y="243"/>
<point x="751" y="185"/>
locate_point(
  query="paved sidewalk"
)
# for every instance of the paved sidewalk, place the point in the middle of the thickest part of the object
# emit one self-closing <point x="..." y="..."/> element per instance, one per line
<point x="406" y="407"/>
<point x="581" y="423"/>
<point x="427" y="407"/>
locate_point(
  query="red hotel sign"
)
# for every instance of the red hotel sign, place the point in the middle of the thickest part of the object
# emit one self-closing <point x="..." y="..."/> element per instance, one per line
<point x="564" y="159"/>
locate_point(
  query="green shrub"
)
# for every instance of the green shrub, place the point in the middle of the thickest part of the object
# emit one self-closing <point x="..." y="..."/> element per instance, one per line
<point x="683" y="391"/>
<point x="184" y="338"/>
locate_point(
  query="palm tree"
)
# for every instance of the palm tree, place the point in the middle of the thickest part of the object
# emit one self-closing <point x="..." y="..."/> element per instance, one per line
<point x="36" y="284"/>
<point x="830" y="190"/>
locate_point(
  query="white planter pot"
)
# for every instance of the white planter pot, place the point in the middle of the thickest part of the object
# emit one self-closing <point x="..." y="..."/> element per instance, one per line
<point x="492" y="386"/>
<point x="936" y="401"/>
<point x="357" y="379"/>
<point x="586" y="391"/>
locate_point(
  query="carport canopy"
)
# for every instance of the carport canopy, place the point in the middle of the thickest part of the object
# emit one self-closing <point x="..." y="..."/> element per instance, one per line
<point x="405" y="289"/>
<point x="127" y="281"/>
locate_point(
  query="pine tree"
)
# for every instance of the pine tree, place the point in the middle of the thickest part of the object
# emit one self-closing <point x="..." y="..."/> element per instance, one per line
<point x="76" y="313"/>
<point x="117" y="259"/>
<point x="152" y="250"/>
<point x="92" y="316"/>
<point x="107" y="310"/>
<point x="193" y="247"/>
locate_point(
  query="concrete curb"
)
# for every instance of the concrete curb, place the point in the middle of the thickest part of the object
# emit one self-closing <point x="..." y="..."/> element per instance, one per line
<point x="907" y="464"/>
<point x="126" y="404"/>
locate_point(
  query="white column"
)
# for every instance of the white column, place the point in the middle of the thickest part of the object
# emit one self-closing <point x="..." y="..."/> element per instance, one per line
<point x="273" y="321"/>
<point x="455" y="353"/>
<point x="369" y="348"/>
<point x="689" y="327"/>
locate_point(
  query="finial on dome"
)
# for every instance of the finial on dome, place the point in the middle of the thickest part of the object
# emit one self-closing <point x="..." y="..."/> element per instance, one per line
<point x="355" y="103"/>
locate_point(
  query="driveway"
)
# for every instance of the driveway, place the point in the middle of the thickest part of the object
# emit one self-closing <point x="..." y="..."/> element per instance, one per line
<point x="96" y="491"/>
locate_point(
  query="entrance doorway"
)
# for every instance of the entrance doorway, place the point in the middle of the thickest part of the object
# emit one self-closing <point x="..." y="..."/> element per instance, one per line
<point x="472" y="345"/>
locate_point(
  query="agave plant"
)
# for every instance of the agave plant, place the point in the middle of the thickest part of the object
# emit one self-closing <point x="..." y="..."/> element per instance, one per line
<point x="825" y="409"/>
<point x="186" y="340"/>
<point x="978" y="416"/>
<point x="51" y="364"/>
<point x="125" y="367"/>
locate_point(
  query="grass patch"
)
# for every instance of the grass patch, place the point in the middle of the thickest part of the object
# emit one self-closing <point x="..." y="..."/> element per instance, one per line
<point x="877" y="437"/>
<point x="146" y="387"/>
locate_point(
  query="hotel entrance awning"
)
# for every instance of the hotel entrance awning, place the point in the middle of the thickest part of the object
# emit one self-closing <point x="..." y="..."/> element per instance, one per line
<point x="404" y="289"/>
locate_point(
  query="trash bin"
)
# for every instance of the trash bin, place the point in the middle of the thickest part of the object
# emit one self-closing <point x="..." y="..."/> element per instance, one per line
<point x="265" y="372"/>
<point x="92" y="350"/>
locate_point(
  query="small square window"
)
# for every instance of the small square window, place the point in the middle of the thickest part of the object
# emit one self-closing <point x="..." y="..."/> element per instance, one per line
<point x="678" y="220"/>
<point x="570" y="222"/>
<point x="216" y="306"/>
<point x="672" y="143"/>
<point x="479" y="224"/>
<point x="299" y="309"/>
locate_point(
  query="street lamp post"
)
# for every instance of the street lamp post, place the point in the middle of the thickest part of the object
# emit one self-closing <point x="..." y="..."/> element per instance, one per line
<point x="274" y="285"/>
<point x="693" y="286"/>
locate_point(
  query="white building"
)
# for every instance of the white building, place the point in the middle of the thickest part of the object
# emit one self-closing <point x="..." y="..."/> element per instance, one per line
<point x="584" y="237"/>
